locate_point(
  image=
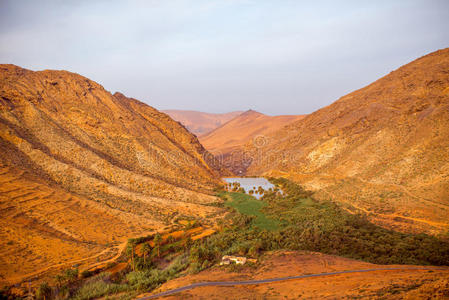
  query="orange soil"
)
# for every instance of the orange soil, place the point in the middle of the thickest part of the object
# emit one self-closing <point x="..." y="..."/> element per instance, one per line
<point x="244" y="128"/>
<point x="180" y="234"/>
<point x="377" y="284"/>
<point x="382" y="147"/>
<point x="82" y="170"/>
<point x="203" y="234"/>
<point x="117" y="268"/>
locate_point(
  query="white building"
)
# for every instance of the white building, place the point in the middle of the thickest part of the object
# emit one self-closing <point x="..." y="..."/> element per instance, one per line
<point x="227" y="259"/>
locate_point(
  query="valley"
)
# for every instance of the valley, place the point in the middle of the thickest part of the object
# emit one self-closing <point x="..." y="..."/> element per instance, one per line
<point x="229" y="141"/>
<point x="289" y="234"/>
<point x="102" y="195"/>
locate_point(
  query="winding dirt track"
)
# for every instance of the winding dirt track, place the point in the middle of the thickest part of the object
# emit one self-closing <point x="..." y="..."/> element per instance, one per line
<point x="261" y="281"/>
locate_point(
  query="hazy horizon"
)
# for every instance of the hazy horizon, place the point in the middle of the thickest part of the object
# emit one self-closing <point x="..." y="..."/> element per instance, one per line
<point x="274" y="57"/>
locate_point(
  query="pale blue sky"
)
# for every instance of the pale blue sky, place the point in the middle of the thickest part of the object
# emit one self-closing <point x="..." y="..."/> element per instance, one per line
<point x="277" y="57"/>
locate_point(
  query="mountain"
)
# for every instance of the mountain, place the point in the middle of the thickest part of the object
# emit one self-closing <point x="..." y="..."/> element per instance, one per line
<point x="227" y="141"/>
<point x="200" y="122"/>
<point x="82" y="170"/>
<point x="381" y="150"/>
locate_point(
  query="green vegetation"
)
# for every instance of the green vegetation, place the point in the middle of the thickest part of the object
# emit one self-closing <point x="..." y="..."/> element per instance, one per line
<point x="307" y="224"/>
<point x="151" y="278"/>
<point x="250" y="206"/>
<point x="43" y="292"/>
<point x="325" y="227"/>
<point x="99" y="286"/>
<point x="144" y="274"/>
<point x="293" y="220"/>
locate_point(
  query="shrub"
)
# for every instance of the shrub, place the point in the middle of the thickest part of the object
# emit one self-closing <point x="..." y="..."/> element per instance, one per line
<point x="98" y="286"/>
<point x="139" y="280"/>
<point x="87" y="273"/>
<point x="43" y="291"/>
<point x="308" y="224"/>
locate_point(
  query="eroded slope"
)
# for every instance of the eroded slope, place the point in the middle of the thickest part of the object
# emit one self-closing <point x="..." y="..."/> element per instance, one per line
<point x="81" y="168"/>
<point x="381" y="149"/>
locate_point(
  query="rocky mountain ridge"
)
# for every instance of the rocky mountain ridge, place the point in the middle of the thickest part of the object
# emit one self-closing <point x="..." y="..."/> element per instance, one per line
<point x="82" y="168"/>
<point x="380" y="150"/>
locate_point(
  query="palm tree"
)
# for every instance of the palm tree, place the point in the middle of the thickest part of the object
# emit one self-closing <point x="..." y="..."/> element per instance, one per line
<point x="145" y="250"/>
<point x="132" y="256"/>
<point x="157" y="243"/>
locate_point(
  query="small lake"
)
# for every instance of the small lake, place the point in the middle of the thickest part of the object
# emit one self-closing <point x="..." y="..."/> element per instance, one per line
<point x="251" y="184"/>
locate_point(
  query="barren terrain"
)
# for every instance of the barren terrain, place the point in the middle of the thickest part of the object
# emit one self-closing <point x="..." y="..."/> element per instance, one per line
<point x="227" y="141"/>
<point x="394" y="284"/>
<point x="381" y="150"/>
<point x="82" y="169"/>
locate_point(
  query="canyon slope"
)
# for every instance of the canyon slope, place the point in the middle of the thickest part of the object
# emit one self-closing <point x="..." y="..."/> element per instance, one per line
<point x="82" y="170"/>
<point x="227" y="141"/>
<point x="200" y="122"/>
<point x="381" y="150"/>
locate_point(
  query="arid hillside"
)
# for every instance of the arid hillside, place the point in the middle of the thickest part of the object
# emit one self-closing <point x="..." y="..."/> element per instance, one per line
<point x="407" y="283"/>
<point x="228" y="140"/>
<point x="82" y="170"/>
<point x="200" y="122"/>
<point x="381" y="150"/>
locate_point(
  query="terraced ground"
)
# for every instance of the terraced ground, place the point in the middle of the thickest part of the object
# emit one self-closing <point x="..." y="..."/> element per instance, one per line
<point x="40" y="225"/>
<point x="82" y="170"/>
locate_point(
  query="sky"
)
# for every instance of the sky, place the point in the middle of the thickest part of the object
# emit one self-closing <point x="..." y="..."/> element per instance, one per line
<point x="276" y="57"/>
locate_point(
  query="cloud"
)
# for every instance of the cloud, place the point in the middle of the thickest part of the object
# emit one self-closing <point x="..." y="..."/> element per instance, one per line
<point x="275" y="57"/>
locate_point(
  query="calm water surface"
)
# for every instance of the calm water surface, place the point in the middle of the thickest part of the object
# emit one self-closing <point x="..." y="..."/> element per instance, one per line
<point x="251" y="183"/>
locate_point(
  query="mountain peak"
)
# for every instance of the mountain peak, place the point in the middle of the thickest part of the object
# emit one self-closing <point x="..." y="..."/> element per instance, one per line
<point x="199" y="122"/>
<point x="381" y="135"/>
<point x="250" y="112"/>
<point x="107" y="166"/>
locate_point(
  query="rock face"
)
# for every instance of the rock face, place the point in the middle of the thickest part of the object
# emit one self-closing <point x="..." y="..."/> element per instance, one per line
<point x="81" y="168"/>
<point x="382" y="150"/>
<point x="227" y="141"/>
<point x="198" y="122"/>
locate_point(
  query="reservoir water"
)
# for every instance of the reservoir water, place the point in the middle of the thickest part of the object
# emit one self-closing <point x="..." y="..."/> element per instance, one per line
<point x="251" y="184"/>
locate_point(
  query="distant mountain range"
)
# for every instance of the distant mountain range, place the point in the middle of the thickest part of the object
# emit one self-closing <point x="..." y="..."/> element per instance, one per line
<point x="228" y="140"/>
<point x="226" y="135"/>
<point x="198" y="122"/>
